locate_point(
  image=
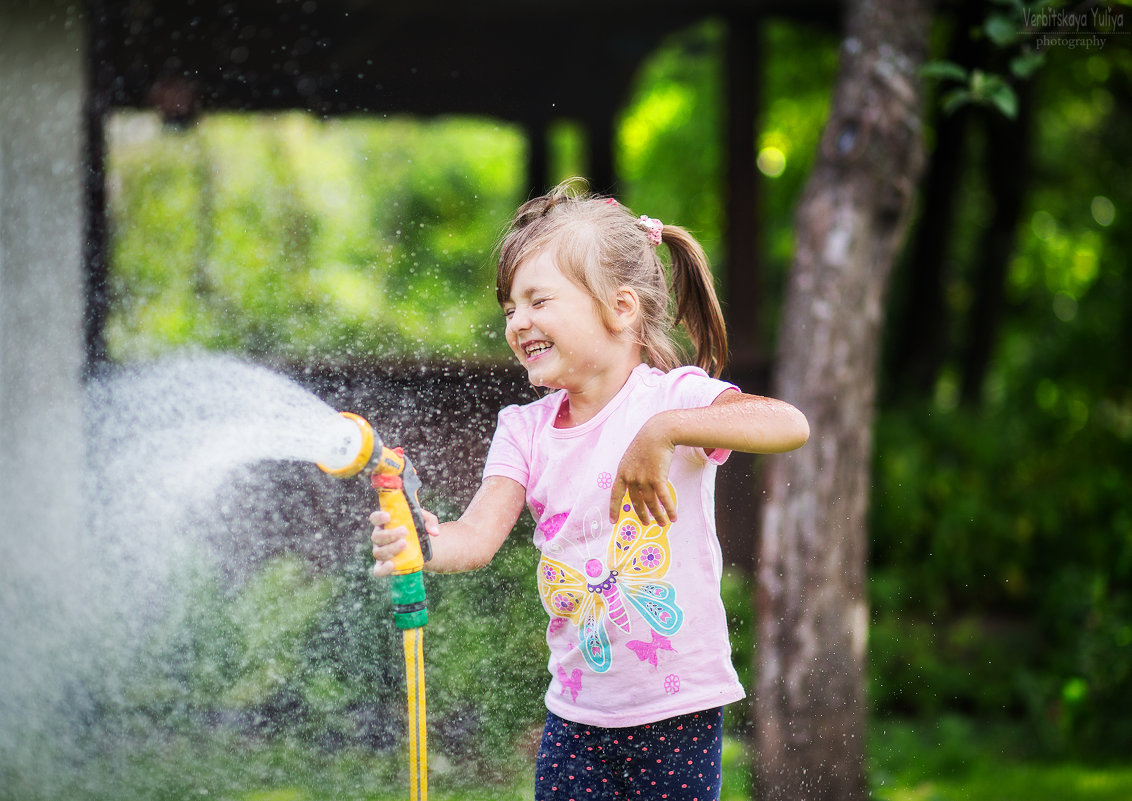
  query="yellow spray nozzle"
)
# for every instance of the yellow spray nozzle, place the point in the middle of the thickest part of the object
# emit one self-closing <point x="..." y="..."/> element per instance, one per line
<point x="397" y="484"/>
<point x="354" y="450"/>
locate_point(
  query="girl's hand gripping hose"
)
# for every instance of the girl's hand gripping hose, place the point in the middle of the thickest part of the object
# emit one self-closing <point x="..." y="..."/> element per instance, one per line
<point x="397" y="484"/>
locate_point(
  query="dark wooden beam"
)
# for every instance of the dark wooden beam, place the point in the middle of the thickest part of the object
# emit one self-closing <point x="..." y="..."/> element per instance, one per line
<point x="744" y="290"/>
<point x="538" y="156"/>
<point x="96" y="234"/>
<point x="738" y="484"/>
<point x="337" y="60"/>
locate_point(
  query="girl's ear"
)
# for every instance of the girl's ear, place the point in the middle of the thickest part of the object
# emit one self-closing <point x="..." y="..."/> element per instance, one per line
<point x="626" y="308"/>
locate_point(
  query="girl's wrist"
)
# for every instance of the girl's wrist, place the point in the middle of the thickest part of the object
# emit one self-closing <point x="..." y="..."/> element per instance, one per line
<point x="661" y="427"/>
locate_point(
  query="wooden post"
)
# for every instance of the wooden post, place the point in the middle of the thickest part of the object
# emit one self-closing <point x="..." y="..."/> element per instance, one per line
<point x="538" y="157"/>
<point x="738" y="498"/>
<point x="743" y="279"/>
<point x="599" y="133"/>
<point x="96" y="258"/>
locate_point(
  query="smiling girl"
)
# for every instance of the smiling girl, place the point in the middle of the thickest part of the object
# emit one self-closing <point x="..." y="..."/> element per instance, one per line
<point x="617" y="466"/>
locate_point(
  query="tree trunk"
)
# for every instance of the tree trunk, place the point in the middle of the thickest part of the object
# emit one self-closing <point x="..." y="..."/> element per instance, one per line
<point x="853" y="217"/>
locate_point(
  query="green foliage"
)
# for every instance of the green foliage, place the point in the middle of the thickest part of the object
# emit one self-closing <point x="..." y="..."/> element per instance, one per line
<point x="666" y="170"/>
<point x="1000" y="538"/>
<point x="737" y="594"/>
<point x="271" y="615"/>
<point x="295" y="237"/>
<point x="983" y="88"/>
<point x="1002" y="546"/>
<point x="1003" y="27"/>
<point x="671" y="161"/>
<point x="801" y="64"/>
<point x="313" y="660"/>
<point x="931" y="665"/>
<point x="486" y="655"/>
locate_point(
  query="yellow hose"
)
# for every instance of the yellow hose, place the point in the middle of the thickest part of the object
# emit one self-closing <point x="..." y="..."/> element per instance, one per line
<point x="397" y="484"/>
<point x="414" y="678"/>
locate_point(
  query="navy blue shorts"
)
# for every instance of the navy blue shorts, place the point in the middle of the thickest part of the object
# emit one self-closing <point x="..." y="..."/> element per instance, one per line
<point x="678" y="759"/>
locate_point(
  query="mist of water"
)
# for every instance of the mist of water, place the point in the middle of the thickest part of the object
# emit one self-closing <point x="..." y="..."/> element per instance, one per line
<point x="166" y="445"/>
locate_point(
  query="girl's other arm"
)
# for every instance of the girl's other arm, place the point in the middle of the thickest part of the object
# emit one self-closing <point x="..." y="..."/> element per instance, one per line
<point x="465" y="544"/>
<point x="735" y="422"/>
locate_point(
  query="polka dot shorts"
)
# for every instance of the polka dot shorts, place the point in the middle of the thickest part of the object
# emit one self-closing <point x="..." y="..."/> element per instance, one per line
<point x="677" y="759"/>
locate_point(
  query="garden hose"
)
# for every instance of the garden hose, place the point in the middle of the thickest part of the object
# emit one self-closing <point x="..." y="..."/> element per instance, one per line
<point x="418" y="740"/>
<point x="397" y="484"/>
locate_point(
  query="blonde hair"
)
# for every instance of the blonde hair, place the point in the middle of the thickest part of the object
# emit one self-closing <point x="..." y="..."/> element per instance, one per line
<point x="601" y="246"/>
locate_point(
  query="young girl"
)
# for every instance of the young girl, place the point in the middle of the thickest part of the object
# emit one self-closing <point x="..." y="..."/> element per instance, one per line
<point x="618" y="469"/>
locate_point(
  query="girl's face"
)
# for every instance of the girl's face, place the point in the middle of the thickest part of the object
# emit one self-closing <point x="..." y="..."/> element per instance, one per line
<point x="555" y="330"/>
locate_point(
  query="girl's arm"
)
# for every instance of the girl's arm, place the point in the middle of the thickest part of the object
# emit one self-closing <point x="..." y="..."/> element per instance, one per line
<point x="735" y="421"/>
<point x="465" y="544"/>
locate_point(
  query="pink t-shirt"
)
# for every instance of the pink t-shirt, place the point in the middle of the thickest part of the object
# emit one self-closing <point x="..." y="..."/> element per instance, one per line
<point x="637" y="628"/>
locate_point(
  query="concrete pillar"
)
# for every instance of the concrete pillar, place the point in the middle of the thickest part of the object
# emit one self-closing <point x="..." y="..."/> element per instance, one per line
<point x="41" y="270"/>
<point x="41" y="335"/>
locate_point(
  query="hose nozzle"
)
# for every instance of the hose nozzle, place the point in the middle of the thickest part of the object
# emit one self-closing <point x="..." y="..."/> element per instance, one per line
<point x="397" y="484"/>
<point x="350" y="448"/>
<point x="395" y="479"/>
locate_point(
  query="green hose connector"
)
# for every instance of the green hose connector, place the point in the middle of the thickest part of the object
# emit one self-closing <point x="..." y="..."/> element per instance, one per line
<point x="409" y="609"/>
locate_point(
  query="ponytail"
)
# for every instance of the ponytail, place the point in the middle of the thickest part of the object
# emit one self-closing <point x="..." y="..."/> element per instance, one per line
<point x="697" y="306"/>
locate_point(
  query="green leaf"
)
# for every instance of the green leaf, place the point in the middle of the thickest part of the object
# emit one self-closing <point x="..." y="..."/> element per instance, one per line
<point x="954" y="100"/>
<point x="1001" y="29"/>
<point x="990" y="89"/>
<point x="1026" y="64"/>
<point x="979" y="85"/>
<point x="1005" y="100"/>
<point x="944" y="70"/>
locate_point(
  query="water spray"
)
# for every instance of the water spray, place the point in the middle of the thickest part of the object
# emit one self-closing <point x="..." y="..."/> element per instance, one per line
<point x="356" y="449"/>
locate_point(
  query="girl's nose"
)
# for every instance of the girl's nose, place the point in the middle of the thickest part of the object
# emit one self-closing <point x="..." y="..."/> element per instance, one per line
<point x="518" y="321"/>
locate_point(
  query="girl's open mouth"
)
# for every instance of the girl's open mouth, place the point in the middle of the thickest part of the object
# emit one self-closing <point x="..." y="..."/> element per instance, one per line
<point x="535" y="349"/>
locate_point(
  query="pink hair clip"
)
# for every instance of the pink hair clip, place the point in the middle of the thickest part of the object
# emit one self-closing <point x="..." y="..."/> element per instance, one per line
<point x="610" y="202"/>
<point x="654" y="227"/>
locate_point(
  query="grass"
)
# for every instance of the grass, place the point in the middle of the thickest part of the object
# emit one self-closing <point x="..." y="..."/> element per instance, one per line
<point x="1064" y="782"/>
<point x="950" y="759"/>
<point x="957" y="759"/>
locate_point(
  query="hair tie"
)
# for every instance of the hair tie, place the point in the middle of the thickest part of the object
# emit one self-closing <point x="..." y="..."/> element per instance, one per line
<point x="653" y="226"/>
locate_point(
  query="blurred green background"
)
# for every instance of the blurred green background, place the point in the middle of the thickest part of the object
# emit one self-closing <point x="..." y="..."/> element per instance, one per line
<point x="1001" y="530"/>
